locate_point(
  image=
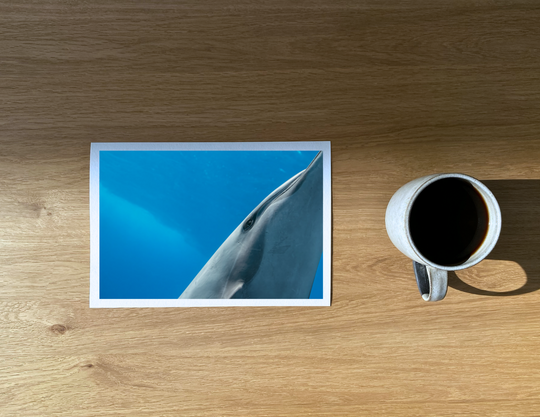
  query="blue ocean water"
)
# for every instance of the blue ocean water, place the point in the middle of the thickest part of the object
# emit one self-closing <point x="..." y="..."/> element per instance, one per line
<point x="164" y="213"/>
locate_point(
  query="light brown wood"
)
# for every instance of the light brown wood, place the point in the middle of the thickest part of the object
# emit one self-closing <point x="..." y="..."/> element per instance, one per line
<point x="401" y="88"/>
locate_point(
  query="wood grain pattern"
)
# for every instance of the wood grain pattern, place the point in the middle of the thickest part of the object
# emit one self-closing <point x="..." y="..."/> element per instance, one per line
<point x="401" y="88"/>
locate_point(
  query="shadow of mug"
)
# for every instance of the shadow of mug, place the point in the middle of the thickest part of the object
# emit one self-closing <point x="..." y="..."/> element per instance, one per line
<point x="519" y="240"/>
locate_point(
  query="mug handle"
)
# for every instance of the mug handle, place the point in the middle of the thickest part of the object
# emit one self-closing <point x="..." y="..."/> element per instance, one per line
<point x="432" y="282"/>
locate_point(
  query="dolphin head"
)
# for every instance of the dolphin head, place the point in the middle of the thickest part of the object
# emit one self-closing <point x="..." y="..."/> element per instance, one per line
<point x="274" y="252"/>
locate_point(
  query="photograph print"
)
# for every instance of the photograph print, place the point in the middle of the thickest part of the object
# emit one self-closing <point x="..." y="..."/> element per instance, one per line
<point x="210" y="224"/>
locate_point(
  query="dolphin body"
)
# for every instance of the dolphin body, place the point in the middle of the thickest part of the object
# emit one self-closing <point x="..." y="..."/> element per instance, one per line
<point x="275" y="251"/>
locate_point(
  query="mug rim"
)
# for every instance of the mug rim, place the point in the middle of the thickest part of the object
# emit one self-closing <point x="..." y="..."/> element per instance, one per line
<point x="494" y="226"/>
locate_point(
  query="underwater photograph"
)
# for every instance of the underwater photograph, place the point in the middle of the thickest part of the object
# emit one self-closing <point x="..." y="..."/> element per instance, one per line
<point x="210" y="224"/>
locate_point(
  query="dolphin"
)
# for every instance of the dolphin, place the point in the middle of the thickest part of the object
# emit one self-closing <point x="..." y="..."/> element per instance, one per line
<point x="274" y="252"/>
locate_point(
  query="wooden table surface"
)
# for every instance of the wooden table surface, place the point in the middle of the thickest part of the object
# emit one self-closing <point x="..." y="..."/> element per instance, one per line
<point x="402" y="88"/>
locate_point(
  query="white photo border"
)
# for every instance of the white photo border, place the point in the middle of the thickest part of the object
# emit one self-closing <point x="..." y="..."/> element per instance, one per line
<point x="96" y="302"/>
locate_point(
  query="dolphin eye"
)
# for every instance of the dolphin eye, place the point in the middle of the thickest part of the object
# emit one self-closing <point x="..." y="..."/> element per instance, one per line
<point x="249" y="224"/>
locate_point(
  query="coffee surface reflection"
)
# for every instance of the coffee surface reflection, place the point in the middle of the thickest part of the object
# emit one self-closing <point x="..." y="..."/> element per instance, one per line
<point x="448" y="221"/>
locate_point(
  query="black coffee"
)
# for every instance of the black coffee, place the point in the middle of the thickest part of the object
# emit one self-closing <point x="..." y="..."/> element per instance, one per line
<point x="448" y="221"/>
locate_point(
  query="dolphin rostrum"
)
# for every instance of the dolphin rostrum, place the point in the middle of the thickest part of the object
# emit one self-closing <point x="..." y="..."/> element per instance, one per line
<point x="275" y="251"/>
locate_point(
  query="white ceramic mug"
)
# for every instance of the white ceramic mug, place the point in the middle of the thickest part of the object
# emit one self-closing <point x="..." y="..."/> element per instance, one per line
<point x="432" y="277"/>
